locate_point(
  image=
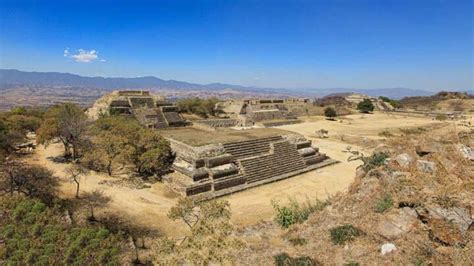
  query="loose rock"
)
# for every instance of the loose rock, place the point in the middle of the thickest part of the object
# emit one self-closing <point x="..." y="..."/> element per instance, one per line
<point x="426" y="166"/>
<point x="404" y="159"/>
<point x="395" y="225"/>
<point x="387" y="248"/>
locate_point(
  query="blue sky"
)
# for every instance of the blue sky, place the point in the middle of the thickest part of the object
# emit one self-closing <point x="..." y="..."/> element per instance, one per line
<point x="422" y="44"/>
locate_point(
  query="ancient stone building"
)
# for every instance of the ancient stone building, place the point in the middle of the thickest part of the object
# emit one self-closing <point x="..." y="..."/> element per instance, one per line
<point x="250" y="112"/>
<point x="150" y="110"/>
<point x="213" y="157"/>
<point x="211" y="164"/>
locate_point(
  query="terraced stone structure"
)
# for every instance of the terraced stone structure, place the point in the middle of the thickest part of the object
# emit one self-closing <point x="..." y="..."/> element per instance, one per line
<point x="212" y="164"/>
<point x="264" y="111"/>
<point x="150" y="110"/>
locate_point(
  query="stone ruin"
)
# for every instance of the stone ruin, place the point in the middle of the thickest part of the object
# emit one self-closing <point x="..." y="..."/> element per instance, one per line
<point x="150" y="110"/>
<point x="211" y="158"/>
<point x="217" y="169"/>
<point x="266" y="112"/>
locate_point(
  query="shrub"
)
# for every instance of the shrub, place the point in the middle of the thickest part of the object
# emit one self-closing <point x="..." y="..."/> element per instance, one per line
<point x="35" y="234"/>
<point x="283" y="259"/>
<point x="394" y="103"/>
<point x="365" y="106"/>
<point x="330" y="113"/>
<point x="298" y="241"/>
<point x="385" y="134"/>
<point x="344" y="233"/>
<point x="294" y="212"/>
<point x="441" y="117"/>
<point x="374" y="161"/>
<point x="383" y="204"/>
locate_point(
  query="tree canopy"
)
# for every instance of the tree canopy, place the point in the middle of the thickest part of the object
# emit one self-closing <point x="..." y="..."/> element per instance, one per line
<point x="66" y="122"/>
<point x="201" y="107"/>
<point x="365" y="106"/>
<point x="118" y="140"/>
<point x="330" y="112"/>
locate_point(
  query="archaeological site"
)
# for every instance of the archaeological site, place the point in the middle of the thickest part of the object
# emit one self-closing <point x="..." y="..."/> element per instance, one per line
<point x="215" y="157"/>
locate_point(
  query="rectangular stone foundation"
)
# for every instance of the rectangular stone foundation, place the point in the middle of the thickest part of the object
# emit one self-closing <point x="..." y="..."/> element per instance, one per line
<point x="214" y="170"/>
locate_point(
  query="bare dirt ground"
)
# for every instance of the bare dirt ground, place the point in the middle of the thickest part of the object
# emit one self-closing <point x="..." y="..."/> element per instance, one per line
<point x="150" y="206"/>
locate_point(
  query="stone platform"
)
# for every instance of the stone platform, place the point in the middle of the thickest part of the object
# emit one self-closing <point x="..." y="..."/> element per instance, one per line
<point x="214" y="164"/>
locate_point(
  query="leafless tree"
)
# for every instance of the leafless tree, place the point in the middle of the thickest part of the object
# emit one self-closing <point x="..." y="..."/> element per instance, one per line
<point x="94" y="200"/>
<point x="75" y="172"/>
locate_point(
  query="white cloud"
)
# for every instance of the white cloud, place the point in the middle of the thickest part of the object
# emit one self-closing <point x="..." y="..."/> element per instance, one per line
<point x="83" y="56"/>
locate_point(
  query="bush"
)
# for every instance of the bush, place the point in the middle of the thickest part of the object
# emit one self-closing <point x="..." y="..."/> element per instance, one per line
<point x="344" y="233"/>
<point x="441" y="117"/>
<point x="198" y="106"/>
<point x="283" y="259"/>
<point x="383" y="204"/>
<point x="298" y="241"/>
<point x="365" y="106"/>
<point x="296" y="213"/>
<point x="330" y="113"/>
<point x="386" y="134"/>
<point x="35" y="234"/>
<point x="394" y="103"/>
<point x="374" y="161"/>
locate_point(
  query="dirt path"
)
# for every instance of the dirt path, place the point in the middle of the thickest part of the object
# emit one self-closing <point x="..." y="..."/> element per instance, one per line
<point x="149" y="206"/>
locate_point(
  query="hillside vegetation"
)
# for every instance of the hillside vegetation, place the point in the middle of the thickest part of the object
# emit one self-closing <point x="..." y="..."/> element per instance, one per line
<point x="442" y="101"/>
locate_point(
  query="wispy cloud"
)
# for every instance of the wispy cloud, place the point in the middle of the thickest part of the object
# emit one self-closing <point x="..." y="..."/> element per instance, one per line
<point x="83" y="56"/>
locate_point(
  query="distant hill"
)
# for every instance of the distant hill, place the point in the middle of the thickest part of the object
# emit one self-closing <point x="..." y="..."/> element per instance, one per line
<point x="10" y="78"/>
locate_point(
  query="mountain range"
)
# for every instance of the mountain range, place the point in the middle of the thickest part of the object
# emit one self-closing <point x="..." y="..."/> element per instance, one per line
<point x="13" y="77"/>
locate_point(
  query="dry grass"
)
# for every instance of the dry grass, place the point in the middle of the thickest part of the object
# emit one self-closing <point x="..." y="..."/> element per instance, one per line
<point x="198" y="137"/>
<point x="450" y="186"/>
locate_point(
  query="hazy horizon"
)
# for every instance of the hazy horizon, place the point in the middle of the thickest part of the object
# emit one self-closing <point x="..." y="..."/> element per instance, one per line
<point x="424" y="45"/>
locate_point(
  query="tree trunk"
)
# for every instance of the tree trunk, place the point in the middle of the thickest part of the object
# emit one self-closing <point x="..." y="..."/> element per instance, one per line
<point x="109" y="168"/>
<point x="77" y="188"/>
<point x="74" y="152"/>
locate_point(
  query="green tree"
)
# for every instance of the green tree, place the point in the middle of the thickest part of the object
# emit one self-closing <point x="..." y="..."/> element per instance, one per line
<point x="201" y="107"/>
<point x="211" y="238"/>
<point x="151" y="153"/>
<point x="330" y="113"/>
<point x="118" y="140"/>
<point x="29" y="180"/>
<point x="111" y="142"/>
<point x="66" y="122"/>
<point x="365" y="106"/>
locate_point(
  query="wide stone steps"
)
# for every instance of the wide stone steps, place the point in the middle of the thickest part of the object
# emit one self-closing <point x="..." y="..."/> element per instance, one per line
<point x="284" y="159"/>
<point x="314" y="159"/>
<point x="243" y="149"/>
<point x="229" y="181"/>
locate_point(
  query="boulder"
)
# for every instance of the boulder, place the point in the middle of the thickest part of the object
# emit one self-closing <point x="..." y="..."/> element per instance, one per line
<point x="396" y="224"/>
<point x="403" y="159"/>
<point x="467" y="152"/>
<point x="428" y="148"/>
<point x="387" y="248"/>
<point x="445" y="232"/>
<point x="460" y="217"/>
<point x="426" y="166"/>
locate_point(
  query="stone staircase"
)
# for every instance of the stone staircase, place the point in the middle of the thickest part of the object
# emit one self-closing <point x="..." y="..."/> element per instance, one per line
<point x="283" y="159"/>
<point x="229" y="181"/>
<point x="173" y="118"/>
<point x="160" y="120"/>
<point x="249" y="148"/>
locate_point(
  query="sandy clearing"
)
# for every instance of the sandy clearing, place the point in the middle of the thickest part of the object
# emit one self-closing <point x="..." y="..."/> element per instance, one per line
<point x="149" y="206"/>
